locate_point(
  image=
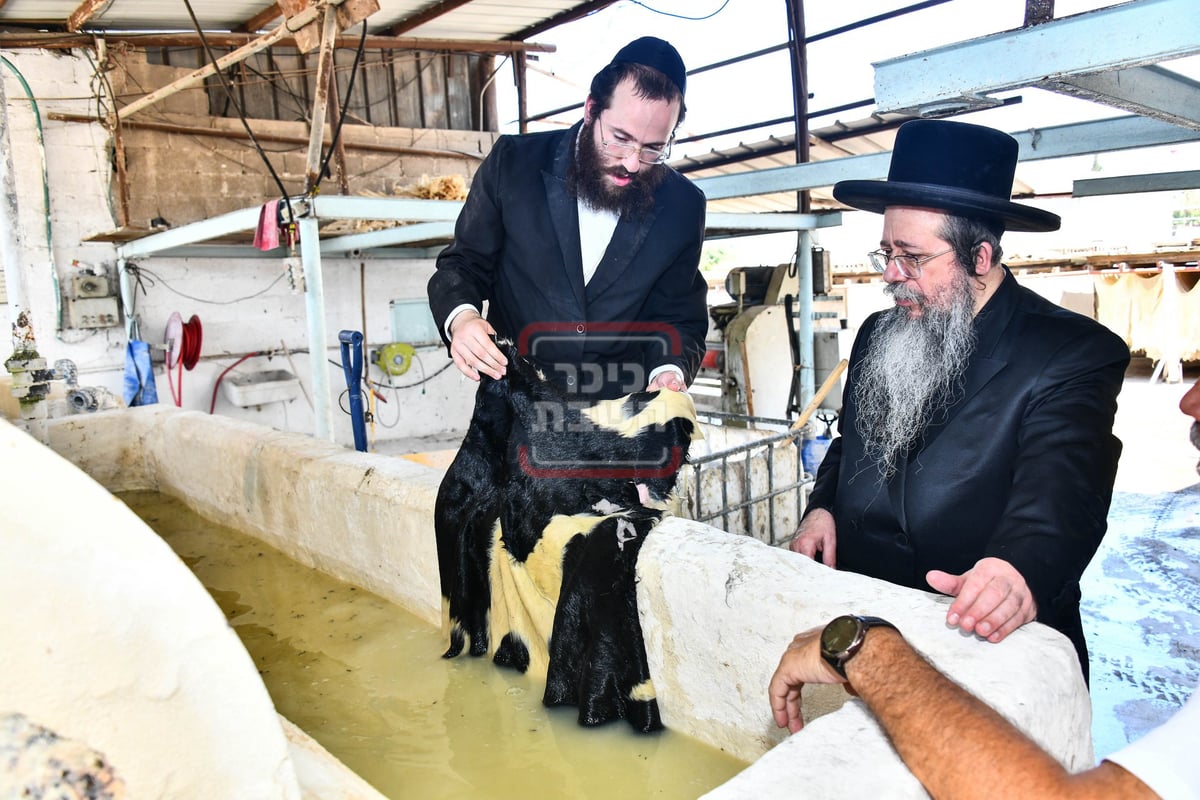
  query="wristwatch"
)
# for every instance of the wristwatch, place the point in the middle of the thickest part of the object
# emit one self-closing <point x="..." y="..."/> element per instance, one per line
<point x="843" y="637"/>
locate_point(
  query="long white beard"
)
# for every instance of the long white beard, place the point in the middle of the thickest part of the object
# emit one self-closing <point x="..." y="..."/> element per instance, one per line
<point x="912" y="370"/>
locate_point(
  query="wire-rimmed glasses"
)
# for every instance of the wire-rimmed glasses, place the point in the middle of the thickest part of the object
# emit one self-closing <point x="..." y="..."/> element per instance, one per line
<point x="909" y="266"/>
<point x="622" y="150"/>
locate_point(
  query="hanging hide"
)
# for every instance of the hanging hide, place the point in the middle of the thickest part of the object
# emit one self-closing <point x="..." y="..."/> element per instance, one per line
<point x="539" y="522"/>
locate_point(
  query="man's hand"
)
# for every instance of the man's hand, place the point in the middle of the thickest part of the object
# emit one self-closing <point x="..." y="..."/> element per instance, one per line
<point x="991" y="599"/>
<point x="801" y="663"/>
<point x="817" y="534"/>
<point x="472" y="347"/>
<point x="667" y="379"/>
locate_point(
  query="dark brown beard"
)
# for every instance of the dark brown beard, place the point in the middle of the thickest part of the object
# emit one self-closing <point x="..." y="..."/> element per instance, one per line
<point x="586" y="180"/>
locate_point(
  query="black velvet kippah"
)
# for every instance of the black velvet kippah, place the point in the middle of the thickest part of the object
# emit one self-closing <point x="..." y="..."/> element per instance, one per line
<point x="657" y="54"/>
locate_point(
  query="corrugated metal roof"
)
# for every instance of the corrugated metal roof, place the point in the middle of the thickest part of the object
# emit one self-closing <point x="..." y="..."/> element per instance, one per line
<point x="487" y="20"/>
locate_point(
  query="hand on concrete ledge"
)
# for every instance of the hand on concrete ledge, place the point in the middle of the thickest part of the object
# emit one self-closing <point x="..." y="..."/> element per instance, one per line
<point x="801" y="664"/>
<point x="955" y="745"/>
<point x="992" y="599"/>
<point x="817" y="534"/>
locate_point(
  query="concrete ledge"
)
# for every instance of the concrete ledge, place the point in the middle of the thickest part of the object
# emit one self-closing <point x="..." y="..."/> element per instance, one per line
<point x="717" y="610"/>
<point x="110" y="640"/>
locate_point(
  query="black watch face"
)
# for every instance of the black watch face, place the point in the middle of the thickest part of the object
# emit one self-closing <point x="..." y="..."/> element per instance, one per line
<point x="839" y="634"/>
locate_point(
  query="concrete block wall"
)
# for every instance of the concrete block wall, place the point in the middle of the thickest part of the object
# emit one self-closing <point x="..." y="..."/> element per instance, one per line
<point x="77" y="171"/>
<point x="185" y="178"/>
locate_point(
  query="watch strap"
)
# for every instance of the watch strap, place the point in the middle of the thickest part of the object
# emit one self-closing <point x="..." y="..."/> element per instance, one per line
<point x="838" y="658"/>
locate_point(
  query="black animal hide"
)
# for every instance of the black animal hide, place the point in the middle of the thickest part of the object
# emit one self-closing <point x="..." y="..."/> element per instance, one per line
<point x="540" y="518"/>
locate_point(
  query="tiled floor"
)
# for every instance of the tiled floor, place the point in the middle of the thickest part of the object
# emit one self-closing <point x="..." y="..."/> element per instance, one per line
<point x="1141" y="593"/>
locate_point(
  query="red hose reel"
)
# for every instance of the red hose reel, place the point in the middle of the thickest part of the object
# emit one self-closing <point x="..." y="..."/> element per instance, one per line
<point x="183" y="340"/>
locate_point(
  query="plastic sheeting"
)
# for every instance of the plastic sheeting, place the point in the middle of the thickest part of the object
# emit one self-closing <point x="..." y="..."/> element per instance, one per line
<point x="1155" y="313"/>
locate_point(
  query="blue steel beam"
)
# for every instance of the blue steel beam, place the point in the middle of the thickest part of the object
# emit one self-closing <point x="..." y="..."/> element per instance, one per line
<point x="1085" y="138"/>
<point x="1151" y="91"/>
<point x="959" y="76"/>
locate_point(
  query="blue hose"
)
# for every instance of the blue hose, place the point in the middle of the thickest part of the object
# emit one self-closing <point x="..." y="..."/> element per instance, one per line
<point x="352" y="366"/>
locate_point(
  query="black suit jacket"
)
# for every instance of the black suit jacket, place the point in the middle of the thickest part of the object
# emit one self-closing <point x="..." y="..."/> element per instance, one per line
<point x="1021" y="467"/>
<point x="516" y="245"/>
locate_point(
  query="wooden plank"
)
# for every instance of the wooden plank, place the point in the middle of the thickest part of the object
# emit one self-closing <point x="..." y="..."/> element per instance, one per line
<point x="458" y="92"/>
<point x="257" y="93"/>
<point x="408" y="92"/>
<point x="433" y="96"/>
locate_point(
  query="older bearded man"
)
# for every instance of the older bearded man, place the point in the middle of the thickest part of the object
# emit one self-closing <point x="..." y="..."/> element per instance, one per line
<point x="585" y="244"/>
<point x="976" y="453"/>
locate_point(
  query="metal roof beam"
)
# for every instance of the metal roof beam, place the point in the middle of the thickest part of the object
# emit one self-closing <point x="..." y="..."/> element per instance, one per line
<point x="960" y="76"/>
<point x="1150" y="91"/>
<point x="1129" y="184"/>
<point x="397" y="209"/>
<point x="1122" y="133"/>
<point x="387" y="237"/>
<point x="245" y="219"/>
<point x="763" y="223"/>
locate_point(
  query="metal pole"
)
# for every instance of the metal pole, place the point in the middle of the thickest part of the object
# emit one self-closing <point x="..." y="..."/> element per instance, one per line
<point x="804" y="289"/>
<point x="804" y="326"/>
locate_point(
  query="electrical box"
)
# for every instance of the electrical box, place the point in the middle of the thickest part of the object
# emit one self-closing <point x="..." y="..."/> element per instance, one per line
<point x="822" y="271"/>
<point x="412" y="322"/>
<point x="92" y="312"/>
<point x="84" y="286"/>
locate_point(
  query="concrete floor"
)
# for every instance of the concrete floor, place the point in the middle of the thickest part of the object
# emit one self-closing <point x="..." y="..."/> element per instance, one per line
<point x="1141" y="593"/>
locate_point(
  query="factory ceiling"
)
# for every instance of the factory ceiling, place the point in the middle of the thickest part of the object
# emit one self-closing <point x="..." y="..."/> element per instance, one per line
<point x="1133" y="75"/>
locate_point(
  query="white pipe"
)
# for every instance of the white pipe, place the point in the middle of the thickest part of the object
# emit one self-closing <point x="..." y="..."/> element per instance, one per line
<point x="314" y="301"/>
<point x="10" y="245"/>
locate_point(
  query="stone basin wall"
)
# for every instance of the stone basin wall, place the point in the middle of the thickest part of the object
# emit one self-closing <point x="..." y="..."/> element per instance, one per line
<point x="717" y="609"/>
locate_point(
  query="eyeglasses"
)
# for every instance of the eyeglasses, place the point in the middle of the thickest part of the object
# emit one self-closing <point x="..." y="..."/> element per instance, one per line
<point x="909" y="266"/>
<point x="622" y="150"/>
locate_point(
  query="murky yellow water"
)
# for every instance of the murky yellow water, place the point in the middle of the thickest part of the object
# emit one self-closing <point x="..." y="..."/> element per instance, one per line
<point x="365" y="679"/>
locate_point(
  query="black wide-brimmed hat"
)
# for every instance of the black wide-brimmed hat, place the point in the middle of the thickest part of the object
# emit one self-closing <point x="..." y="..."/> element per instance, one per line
<point x="966" y="170"/>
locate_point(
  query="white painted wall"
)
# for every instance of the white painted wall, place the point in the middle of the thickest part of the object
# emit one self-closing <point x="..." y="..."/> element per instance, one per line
<point x="79" y="178"/>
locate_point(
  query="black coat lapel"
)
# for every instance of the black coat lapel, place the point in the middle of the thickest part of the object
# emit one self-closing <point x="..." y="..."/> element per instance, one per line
<point x="626" y="241"/>
<point x="565" y="213"/>
<point x="990" y="356"/>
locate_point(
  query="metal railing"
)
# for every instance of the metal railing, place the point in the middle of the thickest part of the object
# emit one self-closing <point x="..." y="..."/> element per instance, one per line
<point x="756" y="488"/>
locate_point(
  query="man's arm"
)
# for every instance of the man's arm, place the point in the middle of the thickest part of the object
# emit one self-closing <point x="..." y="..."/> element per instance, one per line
<point x="955" y="745"/>
<point x="1190" y="402"/>
<point x="466" y="268"/>
<point x="465" y="274"/>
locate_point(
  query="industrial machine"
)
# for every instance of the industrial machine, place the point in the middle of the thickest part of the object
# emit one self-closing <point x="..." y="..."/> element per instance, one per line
<point x="754" y="352"/>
